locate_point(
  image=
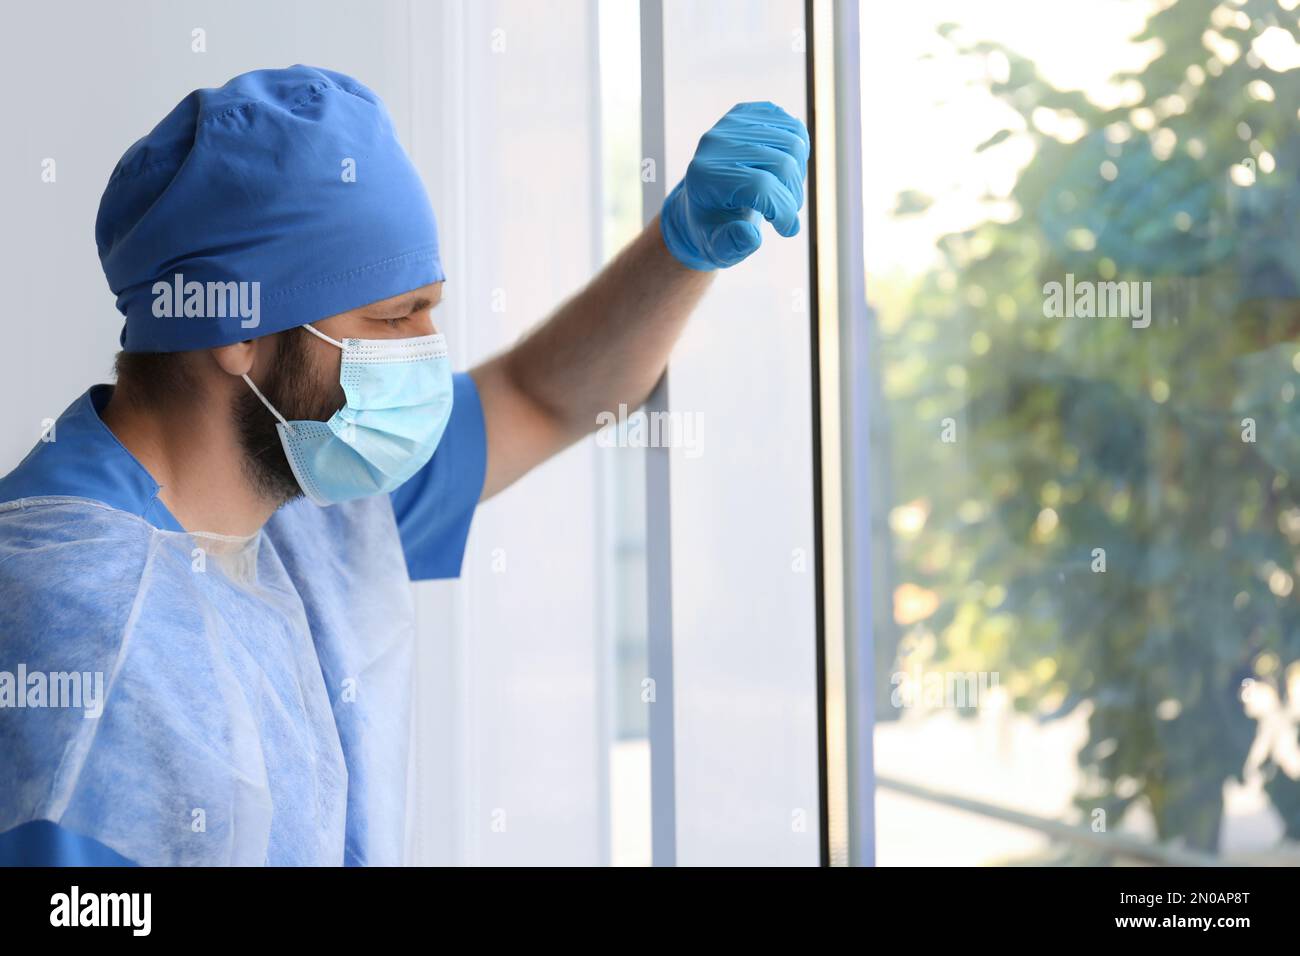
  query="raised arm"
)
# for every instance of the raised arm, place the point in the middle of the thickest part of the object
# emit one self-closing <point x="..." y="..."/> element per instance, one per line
<point x="609" y="344"/>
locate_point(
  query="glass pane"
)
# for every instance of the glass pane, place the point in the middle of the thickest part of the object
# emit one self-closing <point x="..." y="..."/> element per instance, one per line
<point x="744" y="645"/>
<point x="1083" y="266"/>
<point x="622" y="469"/>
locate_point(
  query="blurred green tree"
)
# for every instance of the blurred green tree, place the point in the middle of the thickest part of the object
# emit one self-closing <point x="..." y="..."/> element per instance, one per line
<point x="1088" y="438"/>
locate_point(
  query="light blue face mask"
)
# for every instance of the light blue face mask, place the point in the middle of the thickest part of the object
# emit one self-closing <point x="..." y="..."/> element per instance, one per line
<point x="399" y="397"/>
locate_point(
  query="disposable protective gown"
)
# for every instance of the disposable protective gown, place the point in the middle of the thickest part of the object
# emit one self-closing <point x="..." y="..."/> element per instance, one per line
<point x="255" y="691"/>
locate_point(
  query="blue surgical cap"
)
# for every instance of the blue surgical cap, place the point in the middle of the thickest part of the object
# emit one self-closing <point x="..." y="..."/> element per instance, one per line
<point x="278" y="199"/>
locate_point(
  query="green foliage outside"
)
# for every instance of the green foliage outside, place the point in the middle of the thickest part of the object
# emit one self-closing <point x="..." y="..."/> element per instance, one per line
<point x="1077" y="434"/>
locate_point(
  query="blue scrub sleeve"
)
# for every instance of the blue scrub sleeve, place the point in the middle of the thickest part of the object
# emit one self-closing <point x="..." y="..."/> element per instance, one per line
<point x="434" y="508"/>
<point x="42" y="843"/>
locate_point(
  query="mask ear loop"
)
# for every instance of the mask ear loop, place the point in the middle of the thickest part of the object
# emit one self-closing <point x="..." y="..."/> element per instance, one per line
<point x="271" y="408"/>
<point x="321" y="335"/>
<point x="258" y="392"/>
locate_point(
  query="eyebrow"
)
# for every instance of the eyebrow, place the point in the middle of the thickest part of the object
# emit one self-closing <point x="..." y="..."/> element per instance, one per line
<point x="403" y="309"/>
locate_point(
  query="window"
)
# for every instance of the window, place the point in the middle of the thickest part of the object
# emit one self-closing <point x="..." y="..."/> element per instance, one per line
<point x="1082" y="264"/>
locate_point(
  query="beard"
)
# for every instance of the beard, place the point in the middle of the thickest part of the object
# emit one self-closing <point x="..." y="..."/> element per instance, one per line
<point x="295" y="388"/>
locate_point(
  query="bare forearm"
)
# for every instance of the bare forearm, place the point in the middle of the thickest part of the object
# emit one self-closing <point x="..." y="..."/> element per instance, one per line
<point x="605" y="346"/>
<point x="609" y="344"/>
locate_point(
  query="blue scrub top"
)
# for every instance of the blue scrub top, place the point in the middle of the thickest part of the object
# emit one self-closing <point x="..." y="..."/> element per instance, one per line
<point x="433" y="511"/>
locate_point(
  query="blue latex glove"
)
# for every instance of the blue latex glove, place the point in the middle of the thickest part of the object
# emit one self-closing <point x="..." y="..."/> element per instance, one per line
<point x="750" y="166"/>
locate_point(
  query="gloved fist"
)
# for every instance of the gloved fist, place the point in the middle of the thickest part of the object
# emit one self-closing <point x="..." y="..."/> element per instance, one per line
<point x="750" y="166"/>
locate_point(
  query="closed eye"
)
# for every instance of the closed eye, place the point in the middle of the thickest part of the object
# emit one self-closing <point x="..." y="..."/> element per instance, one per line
<point x="416" y="307"/>
<point x="392" y="322"/>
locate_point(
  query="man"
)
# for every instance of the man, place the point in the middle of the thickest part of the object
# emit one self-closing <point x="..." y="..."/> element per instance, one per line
<point x="207" y="626"/>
